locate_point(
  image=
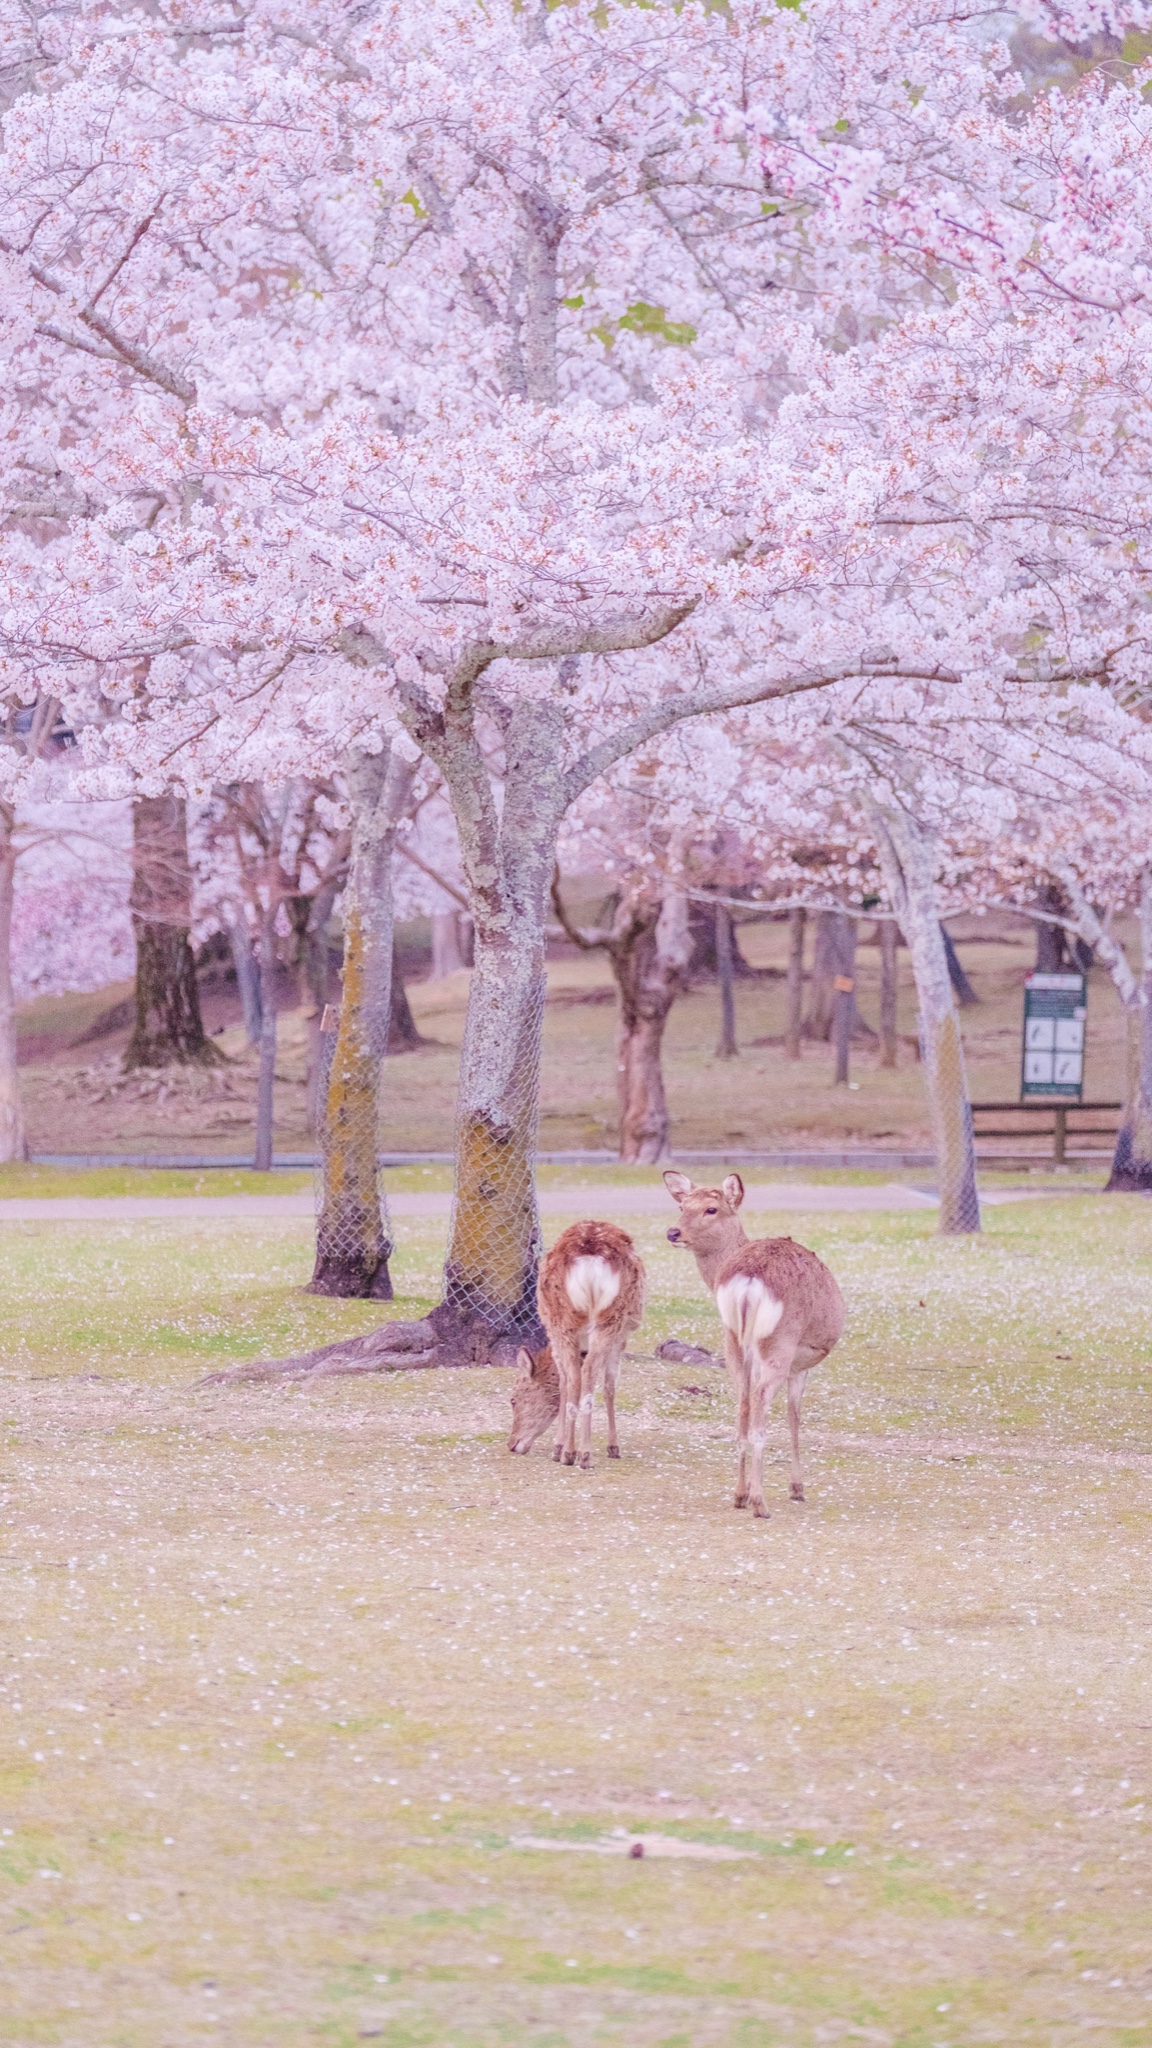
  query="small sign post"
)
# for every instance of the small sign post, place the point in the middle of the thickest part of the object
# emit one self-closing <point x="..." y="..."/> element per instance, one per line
<point x="1055" y="1012"/>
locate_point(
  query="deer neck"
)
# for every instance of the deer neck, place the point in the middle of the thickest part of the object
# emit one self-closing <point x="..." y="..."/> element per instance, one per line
<point x="709" y="1263"/>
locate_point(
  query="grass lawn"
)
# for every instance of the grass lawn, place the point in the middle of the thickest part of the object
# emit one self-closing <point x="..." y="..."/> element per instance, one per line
<point x="324" y="1720"/>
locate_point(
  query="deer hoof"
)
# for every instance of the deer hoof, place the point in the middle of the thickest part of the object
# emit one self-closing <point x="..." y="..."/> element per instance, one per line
<point x="569" y="1458"/>
<point x="797" y="1489"/>
<point x="557" y="1453"/>
<point x="740" y="1500"/>
<point x="613" y="1450"/>
<point x="760" y="1511"/>
<point x="585" y="1461"/>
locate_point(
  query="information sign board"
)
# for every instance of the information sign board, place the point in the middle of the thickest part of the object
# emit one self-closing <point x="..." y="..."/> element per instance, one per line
<point x="1055" y="1013"/>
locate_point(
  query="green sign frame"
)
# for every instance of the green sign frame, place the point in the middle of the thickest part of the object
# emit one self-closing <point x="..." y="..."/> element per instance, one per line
<point x="1055" y="1037"/>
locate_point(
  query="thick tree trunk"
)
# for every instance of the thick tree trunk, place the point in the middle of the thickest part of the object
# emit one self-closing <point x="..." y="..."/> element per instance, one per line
<point x="795" y="989"/>
<point x="168" y="1023"/>
<point x="353" y="1241"/>
<point x="495" y="1244"/>
<point x="13" y="1142"/>
<point x="651" y="953"/>
<point x="727" y="1049"/>
<point x="906" y="854"/>
<point x="889" y="940"/>
<point x="822" y="983"/>
<point x="844" y="1008"/>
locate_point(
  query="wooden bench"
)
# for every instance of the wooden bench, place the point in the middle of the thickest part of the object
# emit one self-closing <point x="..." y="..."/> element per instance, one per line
<point x="1053" y="1119"/>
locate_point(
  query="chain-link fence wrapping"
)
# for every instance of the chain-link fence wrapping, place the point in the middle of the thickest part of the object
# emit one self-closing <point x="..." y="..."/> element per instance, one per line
<point x="353" y="1231"/>
<point x="494" y="1241"/>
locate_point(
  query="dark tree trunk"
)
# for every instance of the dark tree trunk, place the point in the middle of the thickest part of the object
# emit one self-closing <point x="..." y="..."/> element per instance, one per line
<point x="403" y="1034"/>
<point x="703" y="933"/>
<point x="889" y="941"/>
<point x="1051" y="946"/>
<point x="962" y="988"/>
<point x="727" y="1049"/>
<point x="168" y="1023"/>
<point x="794" y="1024"/>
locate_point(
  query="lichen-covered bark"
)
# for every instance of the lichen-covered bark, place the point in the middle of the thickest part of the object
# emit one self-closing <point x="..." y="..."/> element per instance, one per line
<point x="352" y="1242"/>
<point x="168" y="1025"/>
<point x="907" y="860"/>
<point x="352" y="1247"/>
<point x="13" y="1142"/>
<point x="490" y="1273"/>
<point x="494" y="1246"/>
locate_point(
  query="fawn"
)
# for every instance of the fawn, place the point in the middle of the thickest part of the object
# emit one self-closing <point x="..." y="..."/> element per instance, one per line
<point x="781" y="1309"/>
<point x="591" y="1297"/>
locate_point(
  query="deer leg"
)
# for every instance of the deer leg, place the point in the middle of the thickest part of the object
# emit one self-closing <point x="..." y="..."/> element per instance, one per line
<point x="566" y="1352"/>
<point x="795" y="1396"/>
<point x="738" y="1373"/>
<point x="769" y="1374"/>
<point x="611" y="1375"/>
<point x="585" y="1389"/>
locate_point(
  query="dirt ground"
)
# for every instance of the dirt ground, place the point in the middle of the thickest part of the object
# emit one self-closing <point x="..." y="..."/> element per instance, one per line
<point x="326" y="1721"/>
<point x="78" y="1101"/>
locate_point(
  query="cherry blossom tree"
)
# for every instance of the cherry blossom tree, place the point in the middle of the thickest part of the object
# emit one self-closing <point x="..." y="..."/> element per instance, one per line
<point x="538" y="379"/>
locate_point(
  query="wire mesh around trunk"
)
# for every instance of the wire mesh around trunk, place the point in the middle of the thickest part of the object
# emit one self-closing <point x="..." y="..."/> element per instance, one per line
<point x="353" y="1228"/>
<point x="494" y="1234"/>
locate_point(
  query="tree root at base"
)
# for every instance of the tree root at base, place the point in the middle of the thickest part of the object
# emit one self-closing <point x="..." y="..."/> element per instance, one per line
<point x="434" y="1341"/>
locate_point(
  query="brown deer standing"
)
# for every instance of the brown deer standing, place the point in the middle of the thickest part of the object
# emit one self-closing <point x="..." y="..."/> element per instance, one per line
<point x="781" y="1309"/>
<point x="591" y="1297"/>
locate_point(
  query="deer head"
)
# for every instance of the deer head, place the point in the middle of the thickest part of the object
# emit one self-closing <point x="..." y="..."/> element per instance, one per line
<point x="709" y="1225"/>
<point x="535" y="1398"/>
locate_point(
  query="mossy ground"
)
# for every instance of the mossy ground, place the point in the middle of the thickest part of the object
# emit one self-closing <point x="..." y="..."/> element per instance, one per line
<point x="288" y="1674"/>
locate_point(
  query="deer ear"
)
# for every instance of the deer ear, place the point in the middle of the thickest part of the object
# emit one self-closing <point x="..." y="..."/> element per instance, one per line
<point x="677" y="1184"/>
<point x="733" y="1187"/>
<point x="525" y="1361"/>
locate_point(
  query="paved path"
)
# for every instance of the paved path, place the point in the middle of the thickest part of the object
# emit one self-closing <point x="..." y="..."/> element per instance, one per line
<point x="592" y="1199"/>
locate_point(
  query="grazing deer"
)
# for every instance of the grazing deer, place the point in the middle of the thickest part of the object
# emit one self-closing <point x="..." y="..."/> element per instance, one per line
<point x="781" y="1309"/>
<point x="591" y="1297"/>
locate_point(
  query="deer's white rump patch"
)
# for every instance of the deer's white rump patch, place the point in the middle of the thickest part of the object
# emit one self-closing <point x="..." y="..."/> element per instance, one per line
<point x="591" y="1285"/>
<point x="748" y="1309"/>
